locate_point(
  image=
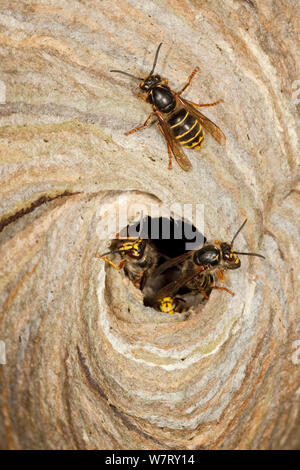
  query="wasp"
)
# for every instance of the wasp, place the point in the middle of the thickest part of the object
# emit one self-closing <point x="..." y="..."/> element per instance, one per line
<point x="179" y="121"/>
<point x="198" y="267"/>
<point x="198" y="292"/>
<point x="139" y="258"/>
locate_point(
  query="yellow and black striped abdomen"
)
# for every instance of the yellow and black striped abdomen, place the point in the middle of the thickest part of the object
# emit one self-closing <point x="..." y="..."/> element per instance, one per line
<point x="186" y="129"/>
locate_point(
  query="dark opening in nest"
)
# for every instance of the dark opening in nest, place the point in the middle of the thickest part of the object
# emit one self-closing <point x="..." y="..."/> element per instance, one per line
<point x="148" y="247"/>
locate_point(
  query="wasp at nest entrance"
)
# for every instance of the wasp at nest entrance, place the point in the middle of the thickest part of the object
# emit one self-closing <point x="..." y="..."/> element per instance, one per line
<point x="171" y="278"/>
<point x="157" y="240"/>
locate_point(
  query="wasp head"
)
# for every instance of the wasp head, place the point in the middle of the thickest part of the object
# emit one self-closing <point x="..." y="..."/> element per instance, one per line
<point x="150" y="82"/>
<point x="133" y="249"/>
<point x="167" y="305"/>
<point x="170" y="304"/>
<point x="229" y="257"/>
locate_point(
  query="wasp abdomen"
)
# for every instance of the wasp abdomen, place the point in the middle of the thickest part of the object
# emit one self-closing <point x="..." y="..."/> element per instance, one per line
<point x="186" y="129"/>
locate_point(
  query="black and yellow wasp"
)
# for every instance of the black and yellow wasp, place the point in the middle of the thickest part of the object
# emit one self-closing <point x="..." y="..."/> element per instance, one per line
<point x="178" y="120"/>
<point x="139" y="257"/>
<point x="199" y="292"/>
<point x="198" y="268"/>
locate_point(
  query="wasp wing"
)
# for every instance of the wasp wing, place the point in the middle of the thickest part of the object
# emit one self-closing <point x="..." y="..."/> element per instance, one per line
<point x="172" y="262"/>
<point x="173" y="287"/>
<point x="175" y="147"/>
<point x="210" y="126"/>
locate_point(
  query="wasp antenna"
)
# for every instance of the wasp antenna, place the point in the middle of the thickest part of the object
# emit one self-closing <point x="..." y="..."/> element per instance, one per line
<point x="241" y="227"/>
<point x="126" y="73"/>
<point x="155" y="59"/>
<point x="249" y="254"/>
<point x="108" y="253"/>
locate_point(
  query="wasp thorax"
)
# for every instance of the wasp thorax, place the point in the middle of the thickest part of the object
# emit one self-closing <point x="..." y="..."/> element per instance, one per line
<point x="150" y="82"/>
<point x="209" y="255"/>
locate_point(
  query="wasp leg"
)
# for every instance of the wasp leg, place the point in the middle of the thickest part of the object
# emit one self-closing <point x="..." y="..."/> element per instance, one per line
<point x="223" y="288"/>
<point x="140" y="95"/>
<point x="221" y="275"/>
<point x="202" y="105"/>
<point x="120" y="266"/>
<point x="166" y="81"/>
<point x="202" y="292"/>
<point x="140" y="127"/>
<point x="189" y="81"/>
<point x="138" y="281"/>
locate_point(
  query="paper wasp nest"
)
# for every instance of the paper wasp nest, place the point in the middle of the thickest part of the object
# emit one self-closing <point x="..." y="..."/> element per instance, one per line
<point x="84" y="363"/>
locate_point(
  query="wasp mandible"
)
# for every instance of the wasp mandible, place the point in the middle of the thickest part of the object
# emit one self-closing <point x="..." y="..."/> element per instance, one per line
<point x="179" y="121"/>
